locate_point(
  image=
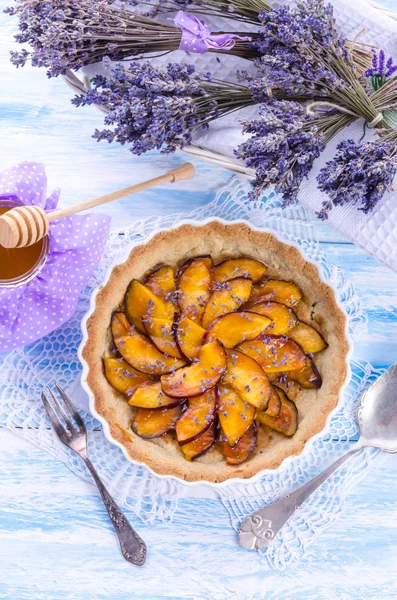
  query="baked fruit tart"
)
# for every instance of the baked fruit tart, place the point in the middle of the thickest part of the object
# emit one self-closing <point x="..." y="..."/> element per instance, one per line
<point x="215" y="351"/>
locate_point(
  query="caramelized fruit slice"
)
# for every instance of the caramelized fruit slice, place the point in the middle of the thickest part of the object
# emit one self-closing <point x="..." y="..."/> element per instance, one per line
<point x="194" y="287"/>
<point x="161" y="334"/>
<point x="244" y="447"/>
<point x="188" y="336"/>
<point x="238" y="267"/>
<point x="275" y="353"/>
<point x="233" y="328"/>
<point x="200" y="376"/>
<point x="138" y="351"/>
<point x="150" y="395"/>
<point x="197" y="418"/>
<point x="287" y="420"/>
<point x="308" y="376"/>
<point x="140" y="301"/>
<point x="235" y="414"/>
<point x="274" y="406"/>
<point x="247" y="378"/>
<point x="283" y="318"/>
<point x="278" y="290"/>
<point x="162" y="282"/>
<point x="200" y="445"/>
<point x="227" y="298"/>
<point x="308" y="338"/>
<point x="289" y="386"/>
<point x="150" y="424"/>
<point x="122" y="376"/>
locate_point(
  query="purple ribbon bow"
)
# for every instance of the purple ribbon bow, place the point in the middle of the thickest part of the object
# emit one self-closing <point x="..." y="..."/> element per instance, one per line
<point x="197" y="37"/>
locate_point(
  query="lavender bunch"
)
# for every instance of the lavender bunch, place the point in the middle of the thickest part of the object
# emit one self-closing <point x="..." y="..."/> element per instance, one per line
<point x="359" y="174"/>
<point x="282" y="148"/>
<point x="159" y="108"/>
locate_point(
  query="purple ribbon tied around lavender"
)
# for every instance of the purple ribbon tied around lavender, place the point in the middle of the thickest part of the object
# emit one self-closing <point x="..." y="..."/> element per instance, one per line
<point x="197" y="37"/>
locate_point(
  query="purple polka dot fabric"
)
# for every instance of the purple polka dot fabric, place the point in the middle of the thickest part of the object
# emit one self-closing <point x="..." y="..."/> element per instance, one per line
<point x="77" y="243"/>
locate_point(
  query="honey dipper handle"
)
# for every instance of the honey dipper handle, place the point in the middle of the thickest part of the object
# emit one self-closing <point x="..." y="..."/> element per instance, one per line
<point x="184" y="171"/>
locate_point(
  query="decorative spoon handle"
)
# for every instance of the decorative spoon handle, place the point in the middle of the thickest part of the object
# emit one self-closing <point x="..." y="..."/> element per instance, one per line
<point x="262" y="526"/>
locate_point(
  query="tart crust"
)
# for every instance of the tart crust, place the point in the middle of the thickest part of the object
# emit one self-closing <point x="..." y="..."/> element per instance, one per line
<point x="221" y="241"/>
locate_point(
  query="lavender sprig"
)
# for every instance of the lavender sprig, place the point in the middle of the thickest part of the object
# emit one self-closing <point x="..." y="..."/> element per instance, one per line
<point x="358" y="175"/>
<point x="282" y="149"/>
<point x="380" y="70"/>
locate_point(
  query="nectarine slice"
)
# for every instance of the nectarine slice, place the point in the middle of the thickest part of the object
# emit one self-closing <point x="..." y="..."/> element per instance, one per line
<point x="289" y="386"/>
<point x="162" y="282"/>
<point x="151" y="424"/>
<point x="248" y="379"/>
<point x="283" y="318"/>
<point x="237" y="454"/>
<point x="273" y="408"/>
<point x="122" y="376"/>
<point x="138" y="351"/>
<point x="238" y="267"/>
<point x="235" y="414"/>
<point x="275" y="353"/>
<point x="278" y="291"/>
<point x="150" y="395"/>
<point x="287" y="420"/>
<point x="233" y="328"/>
<point x="228" y="297"/>
<point x="160" y="332"/>
<point x="199" y="415"/>
<point x="200" y="376"/>
<point x="140" y="301"/>
<point x="188" y="336"/>
<point x="308" y="338"/>
<point x="308" y="376"/>
<point x="194" y="287"/>
<point x="200" y="445"/>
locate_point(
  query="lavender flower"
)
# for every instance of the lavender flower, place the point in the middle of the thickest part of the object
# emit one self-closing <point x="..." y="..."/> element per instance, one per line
<point x="299" y="46"/>
<point x="282" y="149"/>
<point x="380" y="71"/>
<point x="359" y="175"/>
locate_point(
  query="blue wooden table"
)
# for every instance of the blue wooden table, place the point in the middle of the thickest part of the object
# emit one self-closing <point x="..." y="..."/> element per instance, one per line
<point x="55" y="537"/>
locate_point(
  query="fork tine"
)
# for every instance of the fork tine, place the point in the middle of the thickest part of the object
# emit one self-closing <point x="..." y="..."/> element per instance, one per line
<point x="73" y="410"/>
<point x="55" y="422"/>
<point x="59" y="406"/>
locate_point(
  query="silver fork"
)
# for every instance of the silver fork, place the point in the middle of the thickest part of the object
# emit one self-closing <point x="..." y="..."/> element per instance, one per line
<point x="132" y="546"/>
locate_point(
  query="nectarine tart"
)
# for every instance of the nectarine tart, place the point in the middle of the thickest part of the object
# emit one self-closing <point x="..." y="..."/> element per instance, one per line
<point x="215" y="351"/>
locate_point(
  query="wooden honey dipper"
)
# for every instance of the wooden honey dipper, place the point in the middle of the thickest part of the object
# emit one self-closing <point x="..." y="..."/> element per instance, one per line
<point x="26" y="225"/>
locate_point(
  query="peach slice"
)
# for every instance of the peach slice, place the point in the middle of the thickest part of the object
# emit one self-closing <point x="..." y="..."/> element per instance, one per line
<point x="248" y="379"/>
<point x="237" y="454"/>
<point x="287" y="420"/>
<point x="308" y="376"/>
<point x="273" y="408"/>
<point x="283" y="318"/>
<point x="122" y="376"/>
<point x="278" y="291"/>
<point x="235" y="414"/>
<point x="150" y="395"/>
<point x="162" y="282"/>
<point x="200" y="376"/>
<point x="161" y="333"/>
<point x="233" y="328"/>
<point x="200" y="445"/>
<point x="227" y="298"/>
<point x="289" y="386"/>
<point x="308" y="338"/>
<point x="188" y="336"/>
<point x="138" y="351"/>
<point x="151" y="424"/>
<point x="238" y="267"/>
<point x="275" y="353"/>
<point x="194" y="287"/>
<point x="140" y="302"/>
<point x="197" y="418"/>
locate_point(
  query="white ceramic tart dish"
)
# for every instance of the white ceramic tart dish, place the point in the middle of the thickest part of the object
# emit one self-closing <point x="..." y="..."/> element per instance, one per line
<point x="221" y="240"/>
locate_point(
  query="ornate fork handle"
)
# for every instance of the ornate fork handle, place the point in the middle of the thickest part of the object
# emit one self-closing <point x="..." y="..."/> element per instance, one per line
<point x="262" y="526"/>
<point x="132" y="546"/>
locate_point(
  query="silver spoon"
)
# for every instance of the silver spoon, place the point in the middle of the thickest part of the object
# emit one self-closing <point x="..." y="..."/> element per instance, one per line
<point x="377" y="418"/>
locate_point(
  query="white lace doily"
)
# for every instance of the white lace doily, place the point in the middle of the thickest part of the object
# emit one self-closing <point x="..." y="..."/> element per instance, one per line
<point x="25" y="372"/>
